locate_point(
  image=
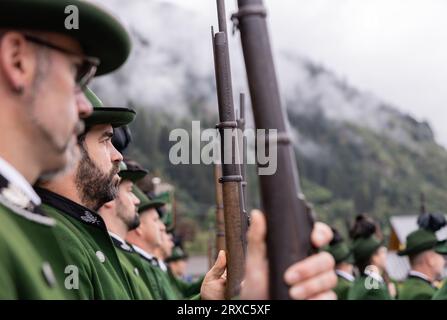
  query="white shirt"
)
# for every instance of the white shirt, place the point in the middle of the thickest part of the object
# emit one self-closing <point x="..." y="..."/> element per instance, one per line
<point x="419" y="275"/>
<point x="18" y="180"/>
<point x="148" y="256"/>
<point x="117" y="237"/>
<point x="143" y="253"/>
<point x="124" y="244"/>
<point x="345" y="275"/>
<point x="162" y="265"/>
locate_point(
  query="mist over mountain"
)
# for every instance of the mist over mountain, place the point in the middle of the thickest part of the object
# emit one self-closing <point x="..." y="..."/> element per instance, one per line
<point x="355" y="152"/>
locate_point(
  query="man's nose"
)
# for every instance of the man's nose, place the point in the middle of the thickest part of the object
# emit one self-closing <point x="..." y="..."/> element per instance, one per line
<point x="84" y="106"/>
<point x="136" y="200"/>
<point x="116" y="155"/>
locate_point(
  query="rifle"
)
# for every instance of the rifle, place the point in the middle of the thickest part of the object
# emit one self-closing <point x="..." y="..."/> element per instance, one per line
<point x="231" y="175"/>
<point x="241" y="127"/>
<point x="220" y="222"/>
<point x="210" y="246"/>
<point x="289" y="223"/>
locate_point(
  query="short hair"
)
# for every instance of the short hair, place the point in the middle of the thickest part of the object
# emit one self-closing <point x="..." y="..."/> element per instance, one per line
<point x="417" y="258"/>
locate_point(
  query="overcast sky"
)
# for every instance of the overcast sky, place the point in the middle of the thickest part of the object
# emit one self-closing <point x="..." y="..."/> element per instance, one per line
<point x="396" y="49"/>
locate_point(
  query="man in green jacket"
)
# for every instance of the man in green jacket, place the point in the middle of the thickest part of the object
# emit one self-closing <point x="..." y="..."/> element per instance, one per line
<point x="370" y="257"/>
<point x="120" y="216"/>
<point x="43" y="67"/>
<point x="148" y="237"/>
<point x="178" y="261"/>
<point x="343" y="265"/>
<point x="145" y="239"/>
<point x="163" y="252"/>
<point x="74" y="198"/>
<point x="427" y="264"/>
<point x="176" y="264"/>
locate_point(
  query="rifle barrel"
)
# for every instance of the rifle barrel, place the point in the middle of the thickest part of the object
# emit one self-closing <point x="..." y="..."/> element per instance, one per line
<point x="231" y="176"/>
<point x="288" y="223"/>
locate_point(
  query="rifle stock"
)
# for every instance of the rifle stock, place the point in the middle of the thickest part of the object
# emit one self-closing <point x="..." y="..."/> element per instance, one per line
<point x="289" y="224"/>
<point x="231" y="175"/>
<point x="220" y="222"/>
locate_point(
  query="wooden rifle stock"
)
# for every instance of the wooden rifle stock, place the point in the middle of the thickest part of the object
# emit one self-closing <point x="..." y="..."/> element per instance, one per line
<point x="231" y="175"/>
<point x="220" y="222"/>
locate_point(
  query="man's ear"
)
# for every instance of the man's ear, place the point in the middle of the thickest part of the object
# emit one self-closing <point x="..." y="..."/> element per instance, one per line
<point x="139" y="230"/>
<point x="109" y="205"/>
<point x="17" y="61"/>
<point x="429" y="258"/>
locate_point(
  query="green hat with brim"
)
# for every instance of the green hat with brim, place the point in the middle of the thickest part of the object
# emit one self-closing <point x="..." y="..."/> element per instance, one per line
<point x="422" y="240"/>
<point x="162" y="212"/>
<point x="177" y="254"/>
<point x="116" y="117"/>
<point x="364" y="248"/>
<point x="441" y="247"/>
<point x="341" y="253"/>
<point x="145" y="202"/>
<point x="166" y="214"/>
<point x="132" y="174"/>
<point x="99" y="33"/>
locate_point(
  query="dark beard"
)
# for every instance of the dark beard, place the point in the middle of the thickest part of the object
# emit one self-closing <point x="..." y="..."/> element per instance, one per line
<point x="95" y="187"/>
<point x="133" y="223"/>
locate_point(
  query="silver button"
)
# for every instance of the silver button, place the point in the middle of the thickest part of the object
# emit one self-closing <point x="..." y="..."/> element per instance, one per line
<point x="101" y="257"/>
<point x="137" y="273"/>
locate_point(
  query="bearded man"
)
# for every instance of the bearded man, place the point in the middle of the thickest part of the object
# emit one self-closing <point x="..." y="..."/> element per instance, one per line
<point x="74" y="198"/>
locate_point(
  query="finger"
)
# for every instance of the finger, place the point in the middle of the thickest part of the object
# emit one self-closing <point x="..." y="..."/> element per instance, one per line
<point x="309" y="268"/>
<point x="314" y="286"/>
<point x="256" y="268"/>
<point x="329" y="295"/>
<point x="220" y="265"/>
<point x="257" y="230"/>
<point x="321" y="234"/>
<point x="256" y="237"/>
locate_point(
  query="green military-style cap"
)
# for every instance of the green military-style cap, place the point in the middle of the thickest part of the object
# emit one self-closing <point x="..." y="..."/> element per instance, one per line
<point x="117" y="117"/>
<point x="422" y="240"/>
<point x="128" y="172"/>
<point x="177" y="254"/>
<point x="364" y="248"/>
<point x="166" y="215"/>
<point x="341" y="252"/>
<point x="145" y="202"/>
<point x="99" y="33"/>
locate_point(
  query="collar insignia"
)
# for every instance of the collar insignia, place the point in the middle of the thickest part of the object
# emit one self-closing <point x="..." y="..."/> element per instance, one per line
<point x="89" y="218"/>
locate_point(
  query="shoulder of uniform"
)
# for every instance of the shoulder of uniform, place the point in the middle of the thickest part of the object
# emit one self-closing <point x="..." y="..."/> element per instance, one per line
<point x="8" y="207"/>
